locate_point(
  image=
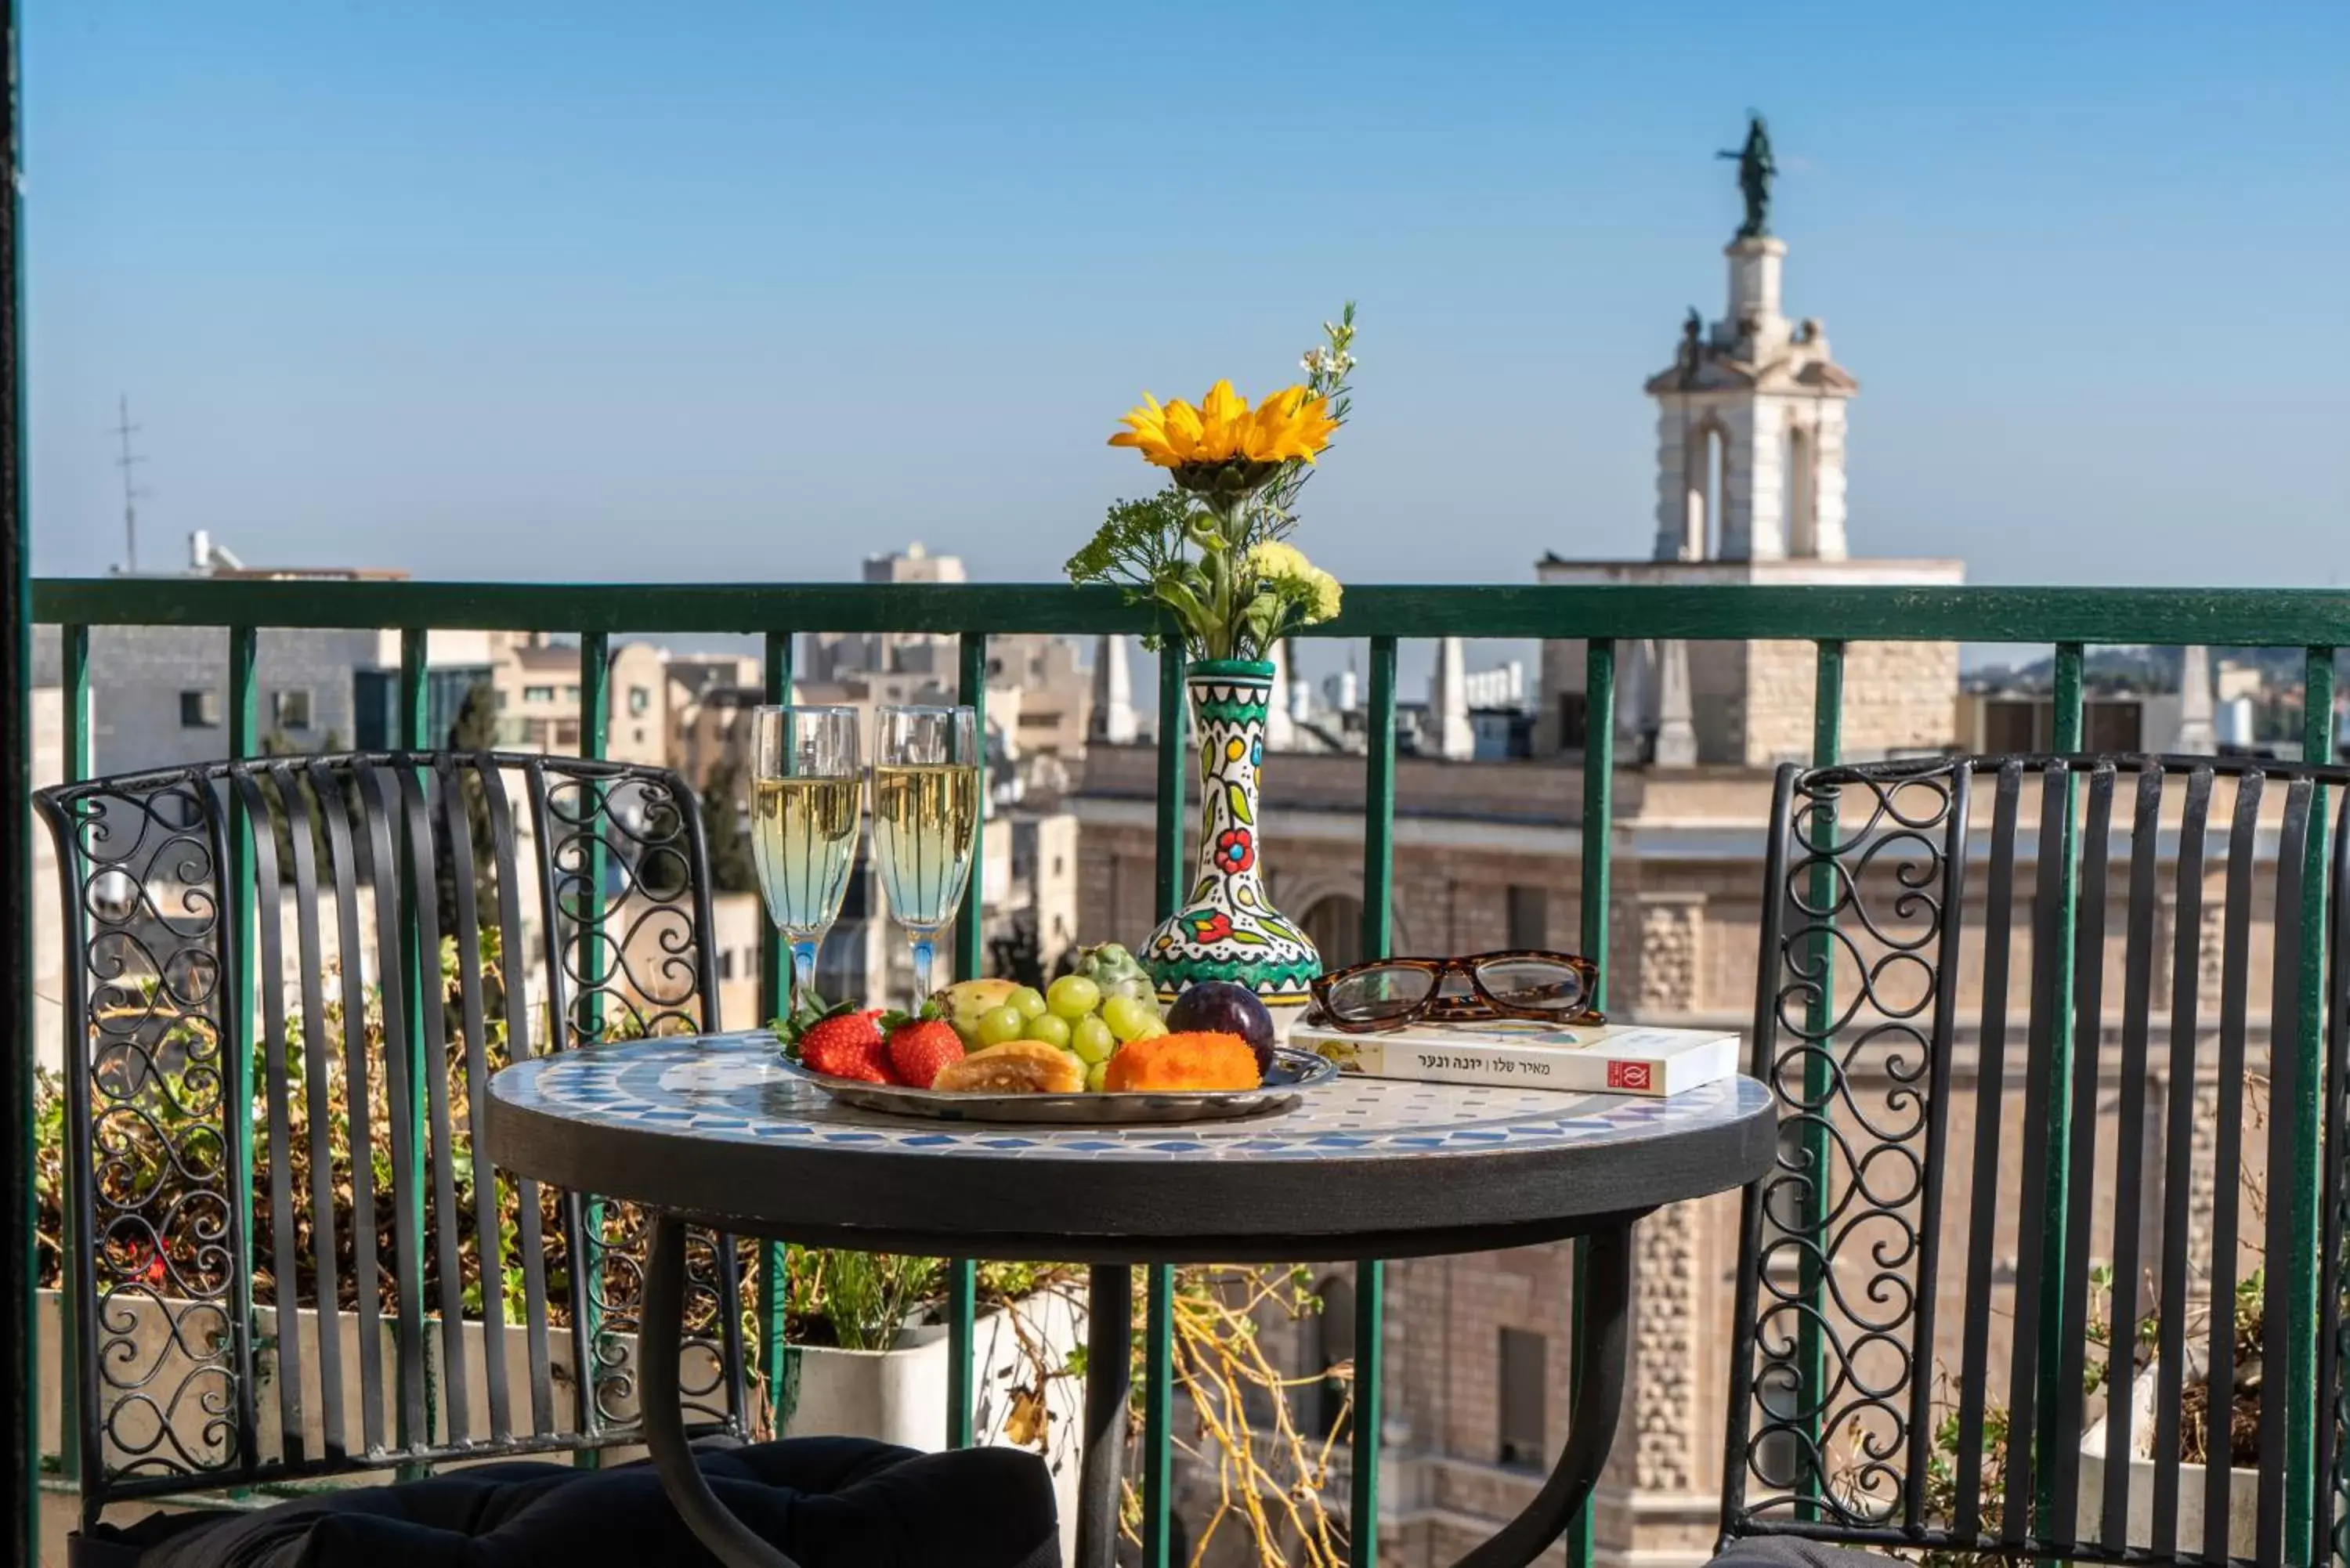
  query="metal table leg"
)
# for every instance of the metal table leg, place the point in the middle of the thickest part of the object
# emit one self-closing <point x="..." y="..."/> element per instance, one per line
<point x="1598" y="1399"/>
<point x="1110" y="1378"/>
<point x="658" y="1344"/>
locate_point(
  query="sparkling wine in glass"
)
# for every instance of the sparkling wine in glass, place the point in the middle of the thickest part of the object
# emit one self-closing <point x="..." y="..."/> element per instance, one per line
<point x="805" y="799"/>
<point x="926" y="816"/>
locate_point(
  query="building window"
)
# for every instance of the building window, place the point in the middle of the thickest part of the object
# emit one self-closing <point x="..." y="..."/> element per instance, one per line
<point x="2112" y="726"/>
<point x="290" y="709"/>
<point x="539" y="694"/>
<point x="571" y="693"/>
<point x="199" y="710"/>
<point x="639" y="699"/>
<point x="1574" y="721"/>
<point x="726" y="964"/>
<point x="1525" y="1382"/>
<point x="1529" y="917"/>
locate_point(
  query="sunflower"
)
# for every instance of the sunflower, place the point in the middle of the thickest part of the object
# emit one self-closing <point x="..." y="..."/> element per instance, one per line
<point x="1289" y="424"/>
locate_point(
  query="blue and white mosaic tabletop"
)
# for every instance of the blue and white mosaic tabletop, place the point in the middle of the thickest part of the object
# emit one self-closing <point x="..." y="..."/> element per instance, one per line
<point x="728" y="1088"/>
<point x="713" y="1128"/>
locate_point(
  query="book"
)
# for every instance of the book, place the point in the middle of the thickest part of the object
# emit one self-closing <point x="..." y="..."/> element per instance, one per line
<point x="1610" y="1058"/>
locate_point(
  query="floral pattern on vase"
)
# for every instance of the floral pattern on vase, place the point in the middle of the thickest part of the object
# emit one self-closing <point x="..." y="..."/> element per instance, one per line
<point x="1228" y="928"/>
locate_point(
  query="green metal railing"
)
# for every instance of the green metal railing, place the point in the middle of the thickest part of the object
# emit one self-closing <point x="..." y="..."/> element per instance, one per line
<point x="1831" y="619"/>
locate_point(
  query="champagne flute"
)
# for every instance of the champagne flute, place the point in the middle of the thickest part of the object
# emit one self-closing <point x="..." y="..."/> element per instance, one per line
<point x="926" y="811"/>
<point x="806" y="800"/>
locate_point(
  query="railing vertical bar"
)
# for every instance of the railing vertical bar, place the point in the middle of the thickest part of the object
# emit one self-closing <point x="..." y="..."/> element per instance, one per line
<point x="970" y="935"/>
<point x="425" y="1059"/>
<point x="962" y="1276"/>
<point x="777" y="1365"/>
<point x="1159" y="1281"/>
<point x="2305" y="1211"/>
<point x="1819" y="1073"/>
<point x="20" y="1387"/>
<point x="1379" y="803"/>
<point x="1592" y="908"/>
<point x="2066" y="737"/>
<point x="595" y="741"/>
<point x="1173" y="750"/>
<point x="1370" y="1276"/>
<point x="237" y="1031"/>
<point x="74" y="675"/>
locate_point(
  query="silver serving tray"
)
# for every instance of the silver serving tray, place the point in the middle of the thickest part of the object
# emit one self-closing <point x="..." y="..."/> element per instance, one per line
<point x="1293" y="1071"/>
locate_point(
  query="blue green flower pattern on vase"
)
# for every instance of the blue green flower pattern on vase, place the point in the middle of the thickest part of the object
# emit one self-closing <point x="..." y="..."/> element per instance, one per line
<point x="1228" y="928"/>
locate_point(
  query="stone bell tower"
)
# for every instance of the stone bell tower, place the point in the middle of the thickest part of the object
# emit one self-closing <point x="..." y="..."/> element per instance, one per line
<point x="1751" y="490"/>
<point x="1750" y="428"/>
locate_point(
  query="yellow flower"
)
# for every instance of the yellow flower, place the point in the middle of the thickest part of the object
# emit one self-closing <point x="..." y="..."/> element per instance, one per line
<point x="1325" y="599"/>
<point x="1289" y="424"/>
<point x="1273" y="559"/>
<point x="1285" y="566"/>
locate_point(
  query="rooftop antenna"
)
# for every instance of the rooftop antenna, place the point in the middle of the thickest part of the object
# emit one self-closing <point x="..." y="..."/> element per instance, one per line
<point x="131" y="490"/>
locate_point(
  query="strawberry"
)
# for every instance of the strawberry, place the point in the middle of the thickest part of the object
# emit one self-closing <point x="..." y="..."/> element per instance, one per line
<point x="920" y="1046"/>
<point x="840" y="1040"/>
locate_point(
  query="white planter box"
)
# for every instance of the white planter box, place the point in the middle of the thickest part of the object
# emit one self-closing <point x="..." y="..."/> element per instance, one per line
<point x="2243" y="1489"/>
<point x="901" y="1396"/>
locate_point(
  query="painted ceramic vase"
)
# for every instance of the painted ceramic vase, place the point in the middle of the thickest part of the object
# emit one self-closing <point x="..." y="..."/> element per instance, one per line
<point x="1227" y="929"/>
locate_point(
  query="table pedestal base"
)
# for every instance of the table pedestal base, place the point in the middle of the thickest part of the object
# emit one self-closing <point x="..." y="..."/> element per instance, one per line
<point x="658" y="1341"/>
<point x="1599" y="1401"/>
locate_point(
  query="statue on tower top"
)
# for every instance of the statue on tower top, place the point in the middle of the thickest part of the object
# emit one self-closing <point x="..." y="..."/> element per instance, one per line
<point x="1755" y="170"/>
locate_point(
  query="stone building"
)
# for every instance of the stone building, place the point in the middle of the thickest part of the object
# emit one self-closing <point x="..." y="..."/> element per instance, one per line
<point x="536" y="682"/>
<point x="709" y="698"/>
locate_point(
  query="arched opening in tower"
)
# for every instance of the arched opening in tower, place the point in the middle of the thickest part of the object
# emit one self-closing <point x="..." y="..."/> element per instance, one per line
<point x="1802" y="507"/>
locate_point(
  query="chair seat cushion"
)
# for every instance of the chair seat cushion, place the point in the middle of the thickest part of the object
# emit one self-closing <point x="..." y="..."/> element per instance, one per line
<point x="827" y="1502"/>
<point x="1791" y="1551"/>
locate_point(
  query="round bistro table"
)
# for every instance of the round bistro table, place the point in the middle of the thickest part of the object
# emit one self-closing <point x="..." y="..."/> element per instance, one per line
<point x="710" y="1130"/>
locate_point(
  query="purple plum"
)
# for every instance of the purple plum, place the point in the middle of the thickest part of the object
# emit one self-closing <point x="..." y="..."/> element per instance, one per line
<point x="1222" y="1006"/>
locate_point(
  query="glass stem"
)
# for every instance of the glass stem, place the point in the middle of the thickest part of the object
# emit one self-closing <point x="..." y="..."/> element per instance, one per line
<point x="925" y="952"/>
<point x="802" y="968"/>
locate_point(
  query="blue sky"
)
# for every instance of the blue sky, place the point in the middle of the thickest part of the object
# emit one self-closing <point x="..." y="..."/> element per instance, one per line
<point x="714" y="290"/>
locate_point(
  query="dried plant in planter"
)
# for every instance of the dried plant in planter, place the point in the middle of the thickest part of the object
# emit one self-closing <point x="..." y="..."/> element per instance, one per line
<point x="2244" y="1409"/>
<point x="1270" y="1474"/>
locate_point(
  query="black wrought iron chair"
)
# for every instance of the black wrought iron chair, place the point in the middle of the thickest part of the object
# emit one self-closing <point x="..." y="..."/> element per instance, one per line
<point x="268" y="1207"/>
<point x="1963" y="1219"/>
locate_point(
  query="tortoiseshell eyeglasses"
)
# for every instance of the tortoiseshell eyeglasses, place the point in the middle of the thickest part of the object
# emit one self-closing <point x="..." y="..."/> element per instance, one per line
<point x="1388" y="993"/>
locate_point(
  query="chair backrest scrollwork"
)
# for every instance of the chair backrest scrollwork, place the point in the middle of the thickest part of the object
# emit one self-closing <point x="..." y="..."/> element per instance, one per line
<point x="288" y="980"/>
<point x="2059" y="1046"/>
